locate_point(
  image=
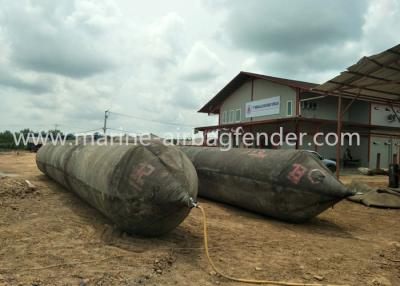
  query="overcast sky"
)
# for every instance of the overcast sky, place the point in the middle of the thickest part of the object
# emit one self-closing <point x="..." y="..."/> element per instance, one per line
<point x="65" y="62"/>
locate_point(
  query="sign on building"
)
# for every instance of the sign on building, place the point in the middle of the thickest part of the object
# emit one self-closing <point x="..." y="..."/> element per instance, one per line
<point x="263" y="107"/>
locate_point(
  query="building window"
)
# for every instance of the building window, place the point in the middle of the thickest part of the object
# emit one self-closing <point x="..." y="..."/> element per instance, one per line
<point x="232" y="116"/>
<point x="238" y="115"/>
<point x="224" y="117"/>
<point x="289" y="108"/>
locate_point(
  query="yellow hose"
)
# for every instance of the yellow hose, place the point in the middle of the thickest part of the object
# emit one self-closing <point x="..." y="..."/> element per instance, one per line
<point x="252" y="281"/>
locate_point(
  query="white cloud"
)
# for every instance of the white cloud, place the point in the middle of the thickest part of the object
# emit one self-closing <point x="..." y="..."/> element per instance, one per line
<point x="250" y="64"/>
<point x="381" y="27"/>
<point x="311" y="40"/>
<point x="67" y="61"/>
<point x="292" y="26"/>
<point x="166" y="40"/>
<point x="96" y="16"/>
<point x="201" y="64"/>
<point x="47" y="36"/>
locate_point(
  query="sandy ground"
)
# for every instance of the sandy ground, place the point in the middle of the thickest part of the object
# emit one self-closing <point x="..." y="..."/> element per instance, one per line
<point x="48" y="236"/>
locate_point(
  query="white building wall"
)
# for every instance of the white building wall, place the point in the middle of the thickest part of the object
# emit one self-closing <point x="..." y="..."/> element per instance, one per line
<point x="387" y="147"/>
<point x="262" y="89"/>
<point x="383" y="115"/>
<point x="326" y="108"/>
<point x="237" y="100"/>
<point x="265" y="89"/>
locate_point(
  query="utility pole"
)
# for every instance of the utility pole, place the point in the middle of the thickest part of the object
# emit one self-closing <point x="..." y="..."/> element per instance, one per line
<point x="106" y="113"/>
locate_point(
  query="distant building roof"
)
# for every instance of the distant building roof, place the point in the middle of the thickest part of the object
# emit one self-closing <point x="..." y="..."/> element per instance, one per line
<point x="213" y="105"/>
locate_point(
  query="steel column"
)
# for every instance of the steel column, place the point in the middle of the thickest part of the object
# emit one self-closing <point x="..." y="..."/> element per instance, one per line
<point x="338" y="131"/>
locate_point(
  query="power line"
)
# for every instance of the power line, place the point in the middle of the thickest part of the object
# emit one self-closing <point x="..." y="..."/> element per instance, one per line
<point x="100" y="128"/>
<point x="121" y="130"/>
<point x="73" y="127"/>
<point x="151" y="120"/>
<point x="126" y="131"/>
<point x="130" y="133"/>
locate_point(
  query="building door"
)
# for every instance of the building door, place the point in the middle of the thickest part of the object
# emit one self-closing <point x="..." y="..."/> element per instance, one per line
<point x="380" y="152"/>
<point x="395" y="148"/>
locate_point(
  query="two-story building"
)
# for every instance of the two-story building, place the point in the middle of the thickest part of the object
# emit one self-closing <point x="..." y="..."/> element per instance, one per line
<point x="261" y="103"/>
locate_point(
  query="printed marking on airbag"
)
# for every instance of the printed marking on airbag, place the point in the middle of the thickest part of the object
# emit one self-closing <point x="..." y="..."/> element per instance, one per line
<point x="297" y="173"/>
<point x="259" y="154"/>
<point x="137" y="175"/>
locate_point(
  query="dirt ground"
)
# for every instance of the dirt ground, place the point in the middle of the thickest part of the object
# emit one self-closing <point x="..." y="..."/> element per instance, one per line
<point x="48" y="236"/>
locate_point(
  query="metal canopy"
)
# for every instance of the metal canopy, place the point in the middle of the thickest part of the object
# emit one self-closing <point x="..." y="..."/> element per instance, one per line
<point x="375" y="78"/>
